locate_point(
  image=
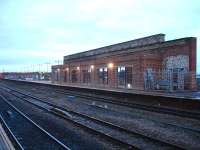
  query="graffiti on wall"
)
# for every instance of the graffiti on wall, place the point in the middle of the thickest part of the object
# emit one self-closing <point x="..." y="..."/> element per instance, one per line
<point x="179" y="61"/>
<point x="172" y="75"/>
<point x="177" y="67"/>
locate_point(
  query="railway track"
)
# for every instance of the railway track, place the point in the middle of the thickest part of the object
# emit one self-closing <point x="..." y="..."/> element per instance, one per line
<point x="76" y="117"/>
<point x="177" y="113"/>
<point x="164" y="110"/>
<point x="90" y="99"/>
<point x="24" y="132"/>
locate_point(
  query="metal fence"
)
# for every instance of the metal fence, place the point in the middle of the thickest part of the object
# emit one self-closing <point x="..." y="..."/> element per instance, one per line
<point x="170" y="80"/>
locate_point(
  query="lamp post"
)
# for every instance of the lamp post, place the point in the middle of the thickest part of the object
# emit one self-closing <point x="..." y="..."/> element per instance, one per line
<point x="47" y="66"/>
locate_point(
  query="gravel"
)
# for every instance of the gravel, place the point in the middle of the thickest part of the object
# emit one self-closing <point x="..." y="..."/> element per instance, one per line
<point x="73" y="136"/>
<point x="161" y="126"/>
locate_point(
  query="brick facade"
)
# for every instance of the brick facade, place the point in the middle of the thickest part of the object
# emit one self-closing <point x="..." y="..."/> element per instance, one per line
<point x="137" y="56"/>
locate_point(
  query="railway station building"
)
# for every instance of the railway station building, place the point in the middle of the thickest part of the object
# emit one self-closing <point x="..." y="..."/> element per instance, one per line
<point x="148" y="63"/>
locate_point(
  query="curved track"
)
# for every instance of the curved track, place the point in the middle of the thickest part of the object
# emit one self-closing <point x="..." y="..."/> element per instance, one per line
<point x="25" y="133"/>
<point x="63" y="112"/>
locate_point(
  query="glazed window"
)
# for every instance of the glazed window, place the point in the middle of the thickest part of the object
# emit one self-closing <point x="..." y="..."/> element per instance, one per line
<point x="102" y="75"/>
<point x="57" y="75"/>
<point x="121" y="75"/>
<point x="65" y="76"/>
<point x="129" y="76"/>
<point x="86" y="76"/>
<point x="124" y="76"/>
<point x="74" y="76"/>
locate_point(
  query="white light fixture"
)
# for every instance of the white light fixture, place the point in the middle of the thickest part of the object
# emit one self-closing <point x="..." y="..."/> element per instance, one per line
<point x="67" y="69"/>
<point x="78" y="68"/>
<point x="110" y="65"/>
<point x="92" y="67"/>
<point x="129" y="86"/>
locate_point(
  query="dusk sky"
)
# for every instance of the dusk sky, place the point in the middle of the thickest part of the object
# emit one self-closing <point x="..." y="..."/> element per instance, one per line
<point x="35" y="32"/>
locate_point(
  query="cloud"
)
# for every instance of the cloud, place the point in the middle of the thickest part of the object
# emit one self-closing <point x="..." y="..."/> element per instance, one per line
<point x="108" y="5"/>
<point x="43" y="29"/>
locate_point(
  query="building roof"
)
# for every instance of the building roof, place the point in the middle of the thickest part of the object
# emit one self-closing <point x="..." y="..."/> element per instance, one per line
<point x="145" y="43"/>
<point x="153" y="39"/>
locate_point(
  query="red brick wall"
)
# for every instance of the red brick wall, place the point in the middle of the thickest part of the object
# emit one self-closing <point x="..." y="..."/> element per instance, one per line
<point x="138" y="60"/>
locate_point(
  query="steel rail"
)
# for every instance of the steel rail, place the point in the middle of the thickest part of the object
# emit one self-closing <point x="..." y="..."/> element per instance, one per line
<point x="10" y="135"/>
<point x="85" y="97"/>
<point x="105" y="123"/>
<point x="181" y="113"/>
<point x="35" y="124"/>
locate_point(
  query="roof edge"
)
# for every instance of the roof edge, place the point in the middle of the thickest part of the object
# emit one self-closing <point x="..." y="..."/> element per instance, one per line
<point x="157" y="38"/>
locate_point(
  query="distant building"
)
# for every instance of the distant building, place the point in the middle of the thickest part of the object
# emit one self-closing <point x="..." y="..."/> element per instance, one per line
<point x="27" y="75"/>
<point x="148" y="63"/>
<point x="198" y="82"/>
<point x="1" y="75"/>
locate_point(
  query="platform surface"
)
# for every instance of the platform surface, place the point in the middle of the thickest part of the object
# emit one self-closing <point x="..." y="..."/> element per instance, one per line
<point x="5" y="143"/>
<point x="184" y="94"/>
